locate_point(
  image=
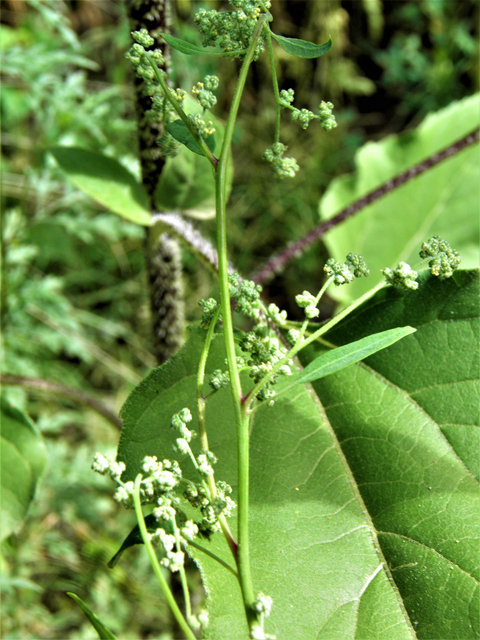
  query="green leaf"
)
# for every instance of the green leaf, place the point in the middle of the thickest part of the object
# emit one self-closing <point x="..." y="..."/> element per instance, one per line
<point x="443" y="200"/>
<point x="105" y="180"/>
<point x="347" y="556"/>
<point x="135" y="536"/>
<point x="23" y="461"/>
<point x="408" y="424"/>
<point x="341" y="357"/>
<point x="187" y="181"/>
<point x="178" y="129"/>
<point x="191" y="49"/>
<point x="97" y="624"/>
<point x="302" y="48"/>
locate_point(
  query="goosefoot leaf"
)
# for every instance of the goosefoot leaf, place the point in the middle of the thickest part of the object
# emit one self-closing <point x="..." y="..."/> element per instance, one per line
<point x="191" y="49"/>
<point x="342" y="357"/>
<point x="23" y="461"/>
<point x="303" y="48"/>
<point x="106" y="181"/>
<point x="97" y="624"/>
<point x="178" y="129"/>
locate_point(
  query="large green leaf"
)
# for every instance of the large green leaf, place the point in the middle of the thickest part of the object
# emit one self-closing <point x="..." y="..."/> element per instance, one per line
<point x="408" y="423"/>
<point x="443" y="201"/>
<point x="323" y="526"/>
<point x="106" y="180"/>
<point x="23" y="461"/>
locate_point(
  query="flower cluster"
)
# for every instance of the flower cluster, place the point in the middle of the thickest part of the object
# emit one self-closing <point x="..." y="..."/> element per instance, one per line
<point x="444" y="259"/>
<point x="161" y="110"/>
<point x="246" y="295"/>
<point x="403" y="276"/>
<point x="203" y="91"/>
<point x="198" y="497"/>
<point x="159" y="486"/>
<point x="282" y="167"/>
<point x="263" y="607"/>
<point x="219" y="379"/>
<point x="308" y="302"/>
<point x="232" y="30"/>
<point x="327" y="119"/>
<point x="209" y="308"/>
<point x="303" y="116"/>
<point x="344" y="272"/>
<point x="279" y="317"/>
<point x="264" y="351"/>
<point x="204" y="129"/>
<point x="325" y="115"/>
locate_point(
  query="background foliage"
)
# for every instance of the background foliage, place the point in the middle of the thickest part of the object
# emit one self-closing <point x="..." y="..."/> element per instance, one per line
<point x="74" y="302"/>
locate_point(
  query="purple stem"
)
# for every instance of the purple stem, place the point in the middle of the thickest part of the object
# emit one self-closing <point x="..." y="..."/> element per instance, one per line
<point x="278" y="262"/>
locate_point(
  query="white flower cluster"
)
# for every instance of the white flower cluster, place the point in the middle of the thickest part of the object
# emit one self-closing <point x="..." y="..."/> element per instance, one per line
<point x="306" y="301"/>
<point x="403" y="276"/>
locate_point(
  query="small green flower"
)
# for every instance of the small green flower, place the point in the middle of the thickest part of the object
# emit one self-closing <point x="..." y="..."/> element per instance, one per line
<point x="286" y="97"/>
<point x="303" y="116"/>
<point x="344" y="272"/>
<point x="209" y="308"/>
<point x="403" y="276"/>
<point x="327" y="119"/>
<point x="282" y="167"/>
<point x="444" y="259"/>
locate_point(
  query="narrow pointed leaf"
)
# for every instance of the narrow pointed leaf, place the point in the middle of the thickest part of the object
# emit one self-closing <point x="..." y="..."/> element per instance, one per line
<point x="191" y="49"/>
<point x="134" y="537"/>
<point x="106" y="181"/>
<point x="303" y="48"/>
<point x="341" y="357"/>
<point x="23" y="461"/>
<point x="180" y="132"/>
<point x="97" y="624"/>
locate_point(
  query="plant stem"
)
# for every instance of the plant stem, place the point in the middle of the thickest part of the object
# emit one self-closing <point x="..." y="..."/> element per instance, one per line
<point x="202" y="144"/>
<point x="275" y="83"/>
<point x="202" y="432"/>
<point x="156" y="565"/>
<point x="242" y="420"/>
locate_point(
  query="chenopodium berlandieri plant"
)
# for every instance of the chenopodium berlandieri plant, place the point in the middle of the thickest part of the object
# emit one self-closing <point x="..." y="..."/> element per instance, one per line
<point x="267" y="349"/>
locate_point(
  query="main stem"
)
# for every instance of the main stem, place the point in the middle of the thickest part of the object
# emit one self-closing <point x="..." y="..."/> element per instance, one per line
<point x="242" y="420"/>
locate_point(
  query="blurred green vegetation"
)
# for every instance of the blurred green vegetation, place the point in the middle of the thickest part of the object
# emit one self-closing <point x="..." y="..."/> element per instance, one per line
<point x="74" y="299"/>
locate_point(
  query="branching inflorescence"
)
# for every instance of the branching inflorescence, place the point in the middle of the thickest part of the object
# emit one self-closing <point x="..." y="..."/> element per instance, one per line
<point x="265" y="352"/>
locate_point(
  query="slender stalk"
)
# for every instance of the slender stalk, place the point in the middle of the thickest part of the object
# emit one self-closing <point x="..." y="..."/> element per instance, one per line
<point x="275" y="83"/>
<point x="242" y="420"/>
<point x="175" y="104"/>
<point x="202" y="431"/>
<point x="156" y="565"/>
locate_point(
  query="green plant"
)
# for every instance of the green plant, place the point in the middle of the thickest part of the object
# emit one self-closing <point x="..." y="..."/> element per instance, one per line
<point x="335" y="483"/>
